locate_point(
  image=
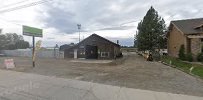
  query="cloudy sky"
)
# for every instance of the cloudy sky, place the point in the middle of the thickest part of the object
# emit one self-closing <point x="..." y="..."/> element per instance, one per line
<point x="112" y="19"/>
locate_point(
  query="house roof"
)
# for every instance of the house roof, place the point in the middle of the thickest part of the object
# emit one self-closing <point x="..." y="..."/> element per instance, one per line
<point x="99" y="37"/>
<point x="65" y="46"/>
<point x="189" y="26"/>
<point x="95" y="36"/>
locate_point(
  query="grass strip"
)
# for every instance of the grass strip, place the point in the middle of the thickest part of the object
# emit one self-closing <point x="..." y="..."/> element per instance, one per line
<point x="184" y="66"/>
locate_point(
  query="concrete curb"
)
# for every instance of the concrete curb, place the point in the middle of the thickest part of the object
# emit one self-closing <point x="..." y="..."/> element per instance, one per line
<point x="198" y="77"/>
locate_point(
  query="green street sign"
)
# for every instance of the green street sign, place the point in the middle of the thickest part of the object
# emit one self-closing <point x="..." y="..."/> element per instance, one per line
<point x="31" y="31"/>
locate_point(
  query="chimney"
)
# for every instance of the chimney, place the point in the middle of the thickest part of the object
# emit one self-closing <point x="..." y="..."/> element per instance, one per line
<point x="117" y="41"/>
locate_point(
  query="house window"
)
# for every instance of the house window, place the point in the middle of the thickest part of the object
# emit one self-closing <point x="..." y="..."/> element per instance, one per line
<point x="104" y="54"/>
<point x="202" y="45"/>
<point x="188" y="45"/>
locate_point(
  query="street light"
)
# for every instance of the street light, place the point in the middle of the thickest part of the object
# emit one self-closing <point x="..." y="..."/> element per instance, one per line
<point x="79" y="27"/>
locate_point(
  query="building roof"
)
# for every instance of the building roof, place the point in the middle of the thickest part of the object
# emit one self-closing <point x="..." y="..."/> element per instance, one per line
<point x="63" y="47"/>
<point x="189" y="26"/>
<point x="66" y="46"/>
<point x="94" y="35"/>
<point x="101" y="38"/>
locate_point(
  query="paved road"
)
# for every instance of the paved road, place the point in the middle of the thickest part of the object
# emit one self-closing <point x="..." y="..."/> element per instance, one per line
<point x="23" y="86"/>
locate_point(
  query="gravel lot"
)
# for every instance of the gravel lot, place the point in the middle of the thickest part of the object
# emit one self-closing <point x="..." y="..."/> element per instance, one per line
<point x="133" y="72"/>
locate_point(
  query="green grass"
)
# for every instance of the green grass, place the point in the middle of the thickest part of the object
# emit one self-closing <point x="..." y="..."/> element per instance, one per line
<point x="198" y="71"/>
<point x="184" y="66"/>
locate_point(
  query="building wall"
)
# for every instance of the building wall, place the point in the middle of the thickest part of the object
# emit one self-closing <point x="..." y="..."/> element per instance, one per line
<point x="106" y="50"/>
<point x="195" y="46"/>
<point x="175" y="40"/>
<point x="103" y="46"/>
<point x="68" y="53"/>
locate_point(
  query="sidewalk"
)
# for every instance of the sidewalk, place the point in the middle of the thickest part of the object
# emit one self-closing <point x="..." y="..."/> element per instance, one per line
<point x="23" y="86"/>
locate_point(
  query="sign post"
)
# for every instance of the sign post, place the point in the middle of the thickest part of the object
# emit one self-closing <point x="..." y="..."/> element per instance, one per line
<point x="34" y="32"/>
<point x="33" y="51"/>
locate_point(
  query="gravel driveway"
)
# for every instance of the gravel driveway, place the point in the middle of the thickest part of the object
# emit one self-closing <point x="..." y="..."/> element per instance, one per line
<point x="134" y="72"/>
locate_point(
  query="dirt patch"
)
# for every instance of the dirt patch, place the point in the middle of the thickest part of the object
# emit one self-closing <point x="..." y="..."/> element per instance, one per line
<point x="131" y="71"/>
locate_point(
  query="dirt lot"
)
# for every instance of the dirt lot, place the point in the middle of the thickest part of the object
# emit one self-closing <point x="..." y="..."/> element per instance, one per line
<point x="133" y="72"/>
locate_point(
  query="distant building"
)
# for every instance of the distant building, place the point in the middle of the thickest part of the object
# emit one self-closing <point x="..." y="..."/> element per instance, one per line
<point x="66" y="46"/>
<point x="94" y="47"/>
<point x="188" y="33"/>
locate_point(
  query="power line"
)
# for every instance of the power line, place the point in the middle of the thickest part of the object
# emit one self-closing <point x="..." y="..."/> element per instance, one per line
<point x="12" y="4"/>
<point x="25" y="6"/>
<point x="21" y="7"/>
<point x="5" y="20"/>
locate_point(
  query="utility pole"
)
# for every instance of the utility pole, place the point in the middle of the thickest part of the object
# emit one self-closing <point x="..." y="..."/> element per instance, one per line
<point x="79" y="27"/>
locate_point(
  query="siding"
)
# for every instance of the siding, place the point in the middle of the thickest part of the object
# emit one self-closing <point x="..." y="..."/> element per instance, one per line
<point x="195" y="46"/>
<point x="102" y="45"/>
<point x="175" y="40"/>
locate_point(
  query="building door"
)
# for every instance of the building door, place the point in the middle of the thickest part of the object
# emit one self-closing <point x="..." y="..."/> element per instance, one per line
<point x="75" y="53"/>
<point x="91" y="52"/>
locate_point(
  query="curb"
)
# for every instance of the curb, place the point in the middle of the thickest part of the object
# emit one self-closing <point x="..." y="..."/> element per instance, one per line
<point x="172" y="66"/>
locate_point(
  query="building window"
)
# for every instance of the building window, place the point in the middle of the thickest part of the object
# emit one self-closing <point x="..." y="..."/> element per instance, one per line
<point x="82" y="47"/>
<point x="201" y="44"/>
<point x="104" y="54"/>
<point x="81" y="51"/>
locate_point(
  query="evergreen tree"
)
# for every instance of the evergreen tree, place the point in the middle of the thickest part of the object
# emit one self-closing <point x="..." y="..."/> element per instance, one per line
<point x="11" y="41"/>
<point x="151" y="32"/>
<point x="181" y="53"/>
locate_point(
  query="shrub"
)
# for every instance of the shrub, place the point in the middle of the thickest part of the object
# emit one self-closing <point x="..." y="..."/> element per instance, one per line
<point x="200" y="57"/>
<point x="156" y="56"/>
<point x="189" y="57"/>
<point x="181" y="54"/>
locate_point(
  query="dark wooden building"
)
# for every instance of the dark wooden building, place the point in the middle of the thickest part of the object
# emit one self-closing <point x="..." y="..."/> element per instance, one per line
<point x="66" y="46"/>
<point x="94" y="47"/>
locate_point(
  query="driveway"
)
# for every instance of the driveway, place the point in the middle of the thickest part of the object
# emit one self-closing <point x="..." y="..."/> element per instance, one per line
<point x="134" y="72"/>
<point x="22" y="86"/>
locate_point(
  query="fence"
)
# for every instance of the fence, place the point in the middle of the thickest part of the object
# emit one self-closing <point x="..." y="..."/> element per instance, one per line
<point x="28" y="53"/>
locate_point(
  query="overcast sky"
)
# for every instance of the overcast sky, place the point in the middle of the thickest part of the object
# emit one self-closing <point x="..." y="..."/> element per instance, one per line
<point x="112" y="19"/>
